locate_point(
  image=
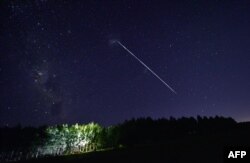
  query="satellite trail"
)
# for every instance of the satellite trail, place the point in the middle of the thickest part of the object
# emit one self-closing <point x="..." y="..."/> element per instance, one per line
<point x="124" y="47"/>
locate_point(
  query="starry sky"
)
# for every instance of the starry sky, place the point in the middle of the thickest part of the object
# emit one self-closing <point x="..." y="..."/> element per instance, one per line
<point x="57" y="64"/>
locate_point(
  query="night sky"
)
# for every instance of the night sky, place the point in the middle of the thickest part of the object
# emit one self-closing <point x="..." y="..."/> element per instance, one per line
<point x="57" y="63"/>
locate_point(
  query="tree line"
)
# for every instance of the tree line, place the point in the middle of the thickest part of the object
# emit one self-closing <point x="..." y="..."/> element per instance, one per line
<point x="65" y="139"/>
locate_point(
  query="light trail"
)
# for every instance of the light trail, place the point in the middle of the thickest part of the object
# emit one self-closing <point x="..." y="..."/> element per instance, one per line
<point x="139" y="60"/>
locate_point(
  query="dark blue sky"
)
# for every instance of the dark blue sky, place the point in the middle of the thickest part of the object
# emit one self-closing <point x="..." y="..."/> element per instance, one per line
<point x="57" y="66"/>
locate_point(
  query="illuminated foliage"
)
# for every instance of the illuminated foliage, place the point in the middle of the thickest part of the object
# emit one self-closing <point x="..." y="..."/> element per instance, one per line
<point x="63" y="139"/>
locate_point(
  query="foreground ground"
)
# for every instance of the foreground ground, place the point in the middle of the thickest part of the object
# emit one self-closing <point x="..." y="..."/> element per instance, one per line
<point x="198" y="149"/>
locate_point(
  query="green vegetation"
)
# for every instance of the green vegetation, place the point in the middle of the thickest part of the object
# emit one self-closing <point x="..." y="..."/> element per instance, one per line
<point x="65" y="139"/>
